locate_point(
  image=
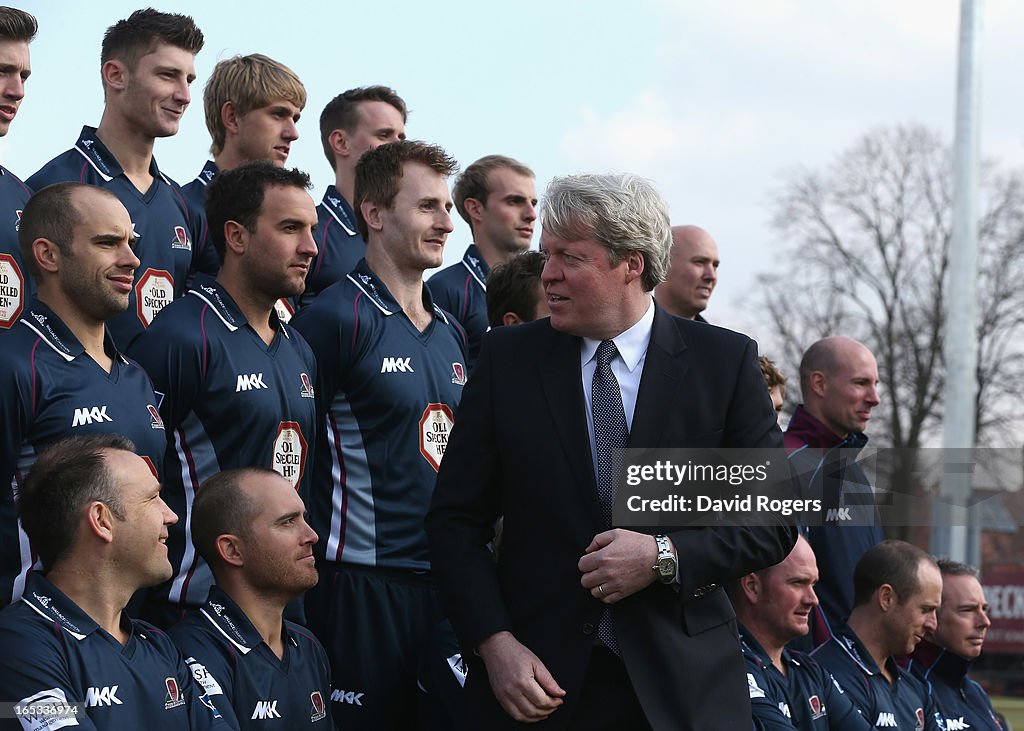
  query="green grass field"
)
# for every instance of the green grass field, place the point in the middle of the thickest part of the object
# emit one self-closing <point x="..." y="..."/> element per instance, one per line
<point x="1012" y="708"/>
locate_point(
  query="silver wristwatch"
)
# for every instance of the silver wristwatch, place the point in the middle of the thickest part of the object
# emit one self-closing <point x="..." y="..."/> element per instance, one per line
<point x="665" y="568"/>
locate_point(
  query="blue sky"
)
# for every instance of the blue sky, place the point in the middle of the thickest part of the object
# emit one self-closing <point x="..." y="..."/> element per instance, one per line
<point x="713" y="101"/>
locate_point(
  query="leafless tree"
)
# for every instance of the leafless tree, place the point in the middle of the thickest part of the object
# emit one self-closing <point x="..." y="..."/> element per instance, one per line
<point x="868" y="256"/>
<point x="866" y="242"/>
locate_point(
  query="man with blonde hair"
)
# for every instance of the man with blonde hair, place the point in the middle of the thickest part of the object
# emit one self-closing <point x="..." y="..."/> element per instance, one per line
<point x="252" y="105"/>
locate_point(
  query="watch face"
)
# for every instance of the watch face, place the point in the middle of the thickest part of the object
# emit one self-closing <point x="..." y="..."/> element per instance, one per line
<point x="667" y="566"/>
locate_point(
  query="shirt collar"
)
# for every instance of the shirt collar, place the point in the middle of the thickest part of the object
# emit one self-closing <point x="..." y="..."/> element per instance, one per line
<point x="631" y="344"/>
<point x="340" y="209"/>
<point x="374" y="288"/>
<point x="101" y="158"/>
<point x="476" y="265"/>
<point x="810" y="431"/>
<point x="853" y="647"/>
<point x="47" y="600"/>
<point x="208" y="173"/>
<point x="41" y="320"/>
<point x="228" y="618"/>
<point x="210" y="291"/>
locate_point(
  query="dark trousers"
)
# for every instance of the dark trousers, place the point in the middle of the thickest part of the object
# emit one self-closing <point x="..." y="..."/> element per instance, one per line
<point x="608" y="701"/>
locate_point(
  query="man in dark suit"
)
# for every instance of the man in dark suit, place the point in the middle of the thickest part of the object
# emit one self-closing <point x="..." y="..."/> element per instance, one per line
<point x="579" y="625"/>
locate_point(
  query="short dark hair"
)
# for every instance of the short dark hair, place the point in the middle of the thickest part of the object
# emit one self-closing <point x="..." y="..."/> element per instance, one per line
<point x="892" y="562"/>
<point x="17" y="25"/>
<point x="51" y="214"/>
<point x="473" y="181"/>
<point x="341" y="112"/>
<point x="141" y="32"/>
<point x="221" y="506"/>
<point x="237" y="195"/>
<point x="949" y="567"/>
<point x="379" y="170"/>
<point x="512" y="287"/>
<point x="67" y="476"/>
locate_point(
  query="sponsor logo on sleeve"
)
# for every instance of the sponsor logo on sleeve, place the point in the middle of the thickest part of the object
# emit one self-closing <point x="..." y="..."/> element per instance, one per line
<point x="47" y="710"/>
<point x="459" y="668"/>
<point x="753" y="687"/>
<point x="203" y="677"/>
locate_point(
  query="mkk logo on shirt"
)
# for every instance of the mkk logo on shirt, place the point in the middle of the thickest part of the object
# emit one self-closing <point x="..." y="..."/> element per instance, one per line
<point x="249" y="382"/>
<point x="265" y="710"/>
<point x="105" y="696"/>
<point x="90" y="414"/>
<point x="396" y="365"/>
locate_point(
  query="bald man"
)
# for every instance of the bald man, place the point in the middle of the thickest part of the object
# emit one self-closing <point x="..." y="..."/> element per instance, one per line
<point x="839" y="385"/>
<point x="692" y="273"/>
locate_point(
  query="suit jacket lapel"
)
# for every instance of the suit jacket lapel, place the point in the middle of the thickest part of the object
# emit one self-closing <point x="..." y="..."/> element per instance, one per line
<point x="664" y="368"/>
<point x="562" y="384"/>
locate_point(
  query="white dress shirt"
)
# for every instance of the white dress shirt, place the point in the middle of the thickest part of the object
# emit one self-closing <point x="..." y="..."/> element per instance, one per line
<point x="627" y="367"/>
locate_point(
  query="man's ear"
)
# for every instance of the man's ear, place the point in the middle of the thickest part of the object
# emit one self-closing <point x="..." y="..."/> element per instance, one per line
<point x="511" y="318"/>
<point x="231" y="550"/>
<point x="750" y="585"/>
<point x="236" y="237"/>
<point x="229" y="117"/>
<point x="100" y="520"/>
<point x="372" y="215"/>
<point x="114" y="75"/>
<point x="886" y="597"/>
<point x="47" y="255"/>
<point x="474" y="209"/>
<point x="635" y="263"/>
<point x="818" y="382"/>
<point x="340" y="143"/>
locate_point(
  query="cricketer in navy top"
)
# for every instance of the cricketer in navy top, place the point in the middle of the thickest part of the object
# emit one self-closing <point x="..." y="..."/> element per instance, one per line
<point x="352" y="123"/>
<point x="93" y="511"/>
<point x="249" y="525"/>
<point x="60" y="373"/>
<point x="497" y="198"/>
<point x="17" y="29"/>
<point x="238" y="383"/>
<point x="897" y="589"/>
<point x="147" y="65"/>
